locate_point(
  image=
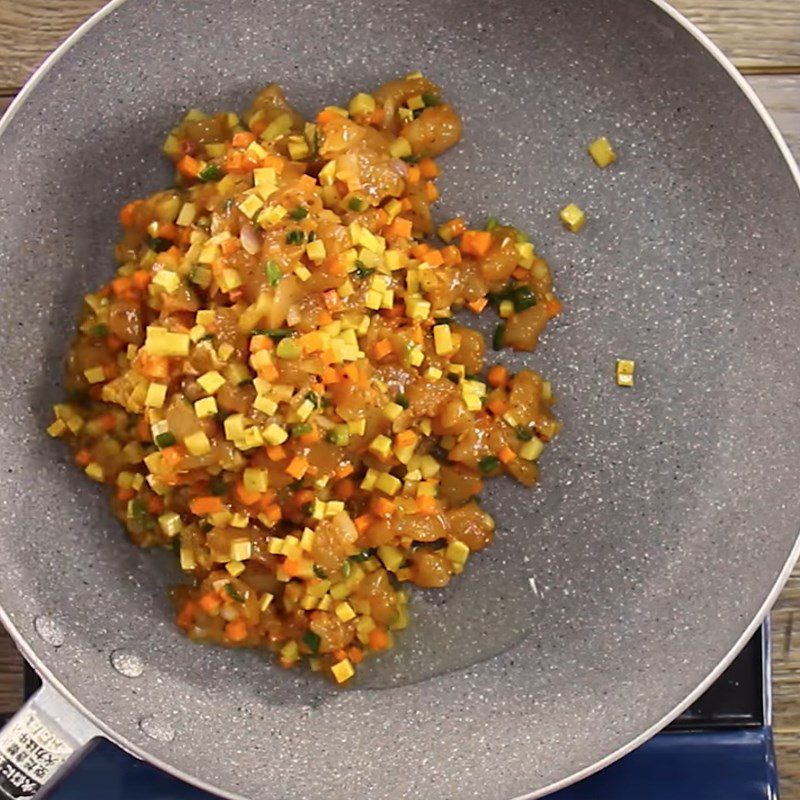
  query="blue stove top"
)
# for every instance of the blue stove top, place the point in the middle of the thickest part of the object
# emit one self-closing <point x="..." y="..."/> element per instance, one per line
<point x="719" y="749"/>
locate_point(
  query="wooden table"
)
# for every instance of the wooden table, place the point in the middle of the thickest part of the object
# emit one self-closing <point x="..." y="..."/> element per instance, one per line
<point x="762" y="37"/>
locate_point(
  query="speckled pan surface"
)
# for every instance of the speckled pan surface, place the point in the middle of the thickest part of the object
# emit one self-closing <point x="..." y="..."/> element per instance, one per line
<point x="666" y="513"/>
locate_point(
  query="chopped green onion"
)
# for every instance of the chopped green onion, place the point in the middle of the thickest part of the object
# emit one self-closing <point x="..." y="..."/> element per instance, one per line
<point x="141" y="515"/>
<point x="301" y="429"/>
<point x="319" y="572"/>
<point x="165" y="440"/>
<point x="401" y="400"/>
<point x="411" y="159"/>
<point x="361" y="270"/>
<point x="523" y="237"/>
<point x="231" y="590"/>
<point x="206" y="337"/>
<point x="211" y="172"/>
<point x="313" y="398"/>
<point x="488" y="464"/>
<point x="274" y="333"/>
<point x="217" y="485"/>
<point x="430" y="99"/>
<point x="295" y="236"/>
<point x="491" y="223"/>
<point x="345" y="569"/>
<point x="356" y="204"/>
<point x="523" y="434"/>
<point x="523" y="298"/>
<point x="497" y="337"/>
<point x="339" y="435"/>
<point x="312" y="641"/>
<point x="99" y="331"/>
<point x="159" y="244"/>
<point x="301" y="212"/>
<point x="363" y="555"/>
<point x="311" y="236"/>
<point x="273" y="272"/>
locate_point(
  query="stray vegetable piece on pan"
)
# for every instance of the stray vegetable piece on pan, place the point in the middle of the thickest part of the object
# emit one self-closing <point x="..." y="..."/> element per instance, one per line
<point x="625" y="370"/>
<point x="274" y="385"/>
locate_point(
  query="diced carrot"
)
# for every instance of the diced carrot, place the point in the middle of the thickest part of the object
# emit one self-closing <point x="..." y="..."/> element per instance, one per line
<point x="306" y="183"/>
<point x="330" y="375"/>
<point x="210" y="602"/>
<point x="405" y="439"/>
<point x="381" y="349"/>
<point x="519" y="273"/>
<point x="168" y="231"/>
<point x="236" y="631"/>
<point x="245" y="496"/>
<point x="497" y="406"/>
<point x="434" y="258"/>
<point x="506" y="454"/>
<point x="142" y="430"/>
<point x="230" y="246"/>
<point x="345" y="470"/>
<point x="107" y="421"/>
<point x="312" y="437"/>
<point x="377" y="116"/>
<point x="413" y="175"/>
<point x="383" y="507"/>
<point x="497" y="376"/>
<point x="381" y="218"/>
<point x="377" y="638"/>
<point x="429" y="168"/>
<point x="400" y="227"/>
<point x="291" y="567"/>
<point x="297" y="467"/>
<point x="344" y="489"/>
<point x="185" y="617"/>
<point x="431" y="192"/>
<point x="476" y="243"/>
<point x="141" y="278"/>
<point x="125" y="493"/>
<point x="325" y="116"/>
<point x="207" y="504"/>
<point x="128" y="213"/>
<point x="276" y="453"/>
<point x="451" y="255"/>
<point x="260" y="342"/>
<point x="243" y="139"/>
<point x="405" y="204"/>
<point x="478" y="305"/>
<point x="419" y="250"/>
<point x="172" y="455"/>
<point x="452" y="228"/>
<point x="273" y="513"/>
<point x="324" y="317"/>
<point x="553" y="307"/>
<point x="331" y="299"/>
<point x="426" y="504"/>
<point x="154" y="367"/>
<point x="363" y="522"/>
<point x="155" y="505"/>
<point x="83" y="458"/>
<point x="355" y="654"/>
<point x="189" y="166"/>
<point x="121" y="285"/>
<point x="340" y="655"/>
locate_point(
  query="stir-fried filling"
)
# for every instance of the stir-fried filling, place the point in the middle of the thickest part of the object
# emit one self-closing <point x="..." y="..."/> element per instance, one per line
<point x="274" y="382"/>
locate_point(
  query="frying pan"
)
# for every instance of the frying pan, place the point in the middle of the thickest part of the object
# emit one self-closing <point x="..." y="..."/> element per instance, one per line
<point x="667" y="516"/>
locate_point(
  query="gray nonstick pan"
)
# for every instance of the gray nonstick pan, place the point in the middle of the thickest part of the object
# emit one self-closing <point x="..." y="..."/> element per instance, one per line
<point x="667" y="516"/>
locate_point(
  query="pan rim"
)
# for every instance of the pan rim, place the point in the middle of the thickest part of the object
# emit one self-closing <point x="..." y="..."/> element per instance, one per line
<point x="141" y="752"/>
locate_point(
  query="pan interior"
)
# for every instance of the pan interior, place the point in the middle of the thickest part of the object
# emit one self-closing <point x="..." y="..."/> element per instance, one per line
<point x="665" y="513"/>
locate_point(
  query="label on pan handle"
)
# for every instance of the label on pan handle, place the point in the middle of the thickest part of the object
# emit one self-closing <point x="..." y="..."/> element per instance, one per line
<point x="30" y="754"/>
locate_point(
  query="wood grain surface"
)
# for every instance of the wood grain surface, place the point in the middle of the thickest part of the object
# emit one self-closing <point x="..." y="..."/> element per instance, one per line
<point x="757" y="34"/>
<point x="763" y="38"/>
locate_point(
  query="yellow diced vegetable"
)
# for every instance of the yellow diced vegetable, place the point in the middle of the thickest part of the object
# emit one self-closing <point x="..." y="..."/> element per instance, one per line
<point x="235" y="568"/>
<point x="255" y="480"/>
<point x="156" y="395"/>
<point x="197" y="443"/>
<point x="602" y="152"/>
<point x="457" y="552"/>
<point x="211" y="382"/>
<point x="573" y="217"/>
<point x="343" y="670"/>
<point x="205" y="407"/>
<point x="95" y="374"/>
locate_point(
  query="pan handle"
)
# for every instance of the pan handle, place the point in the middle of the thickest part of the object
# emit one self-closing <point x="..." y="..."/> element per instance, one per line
<point x="38" y="743"/>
